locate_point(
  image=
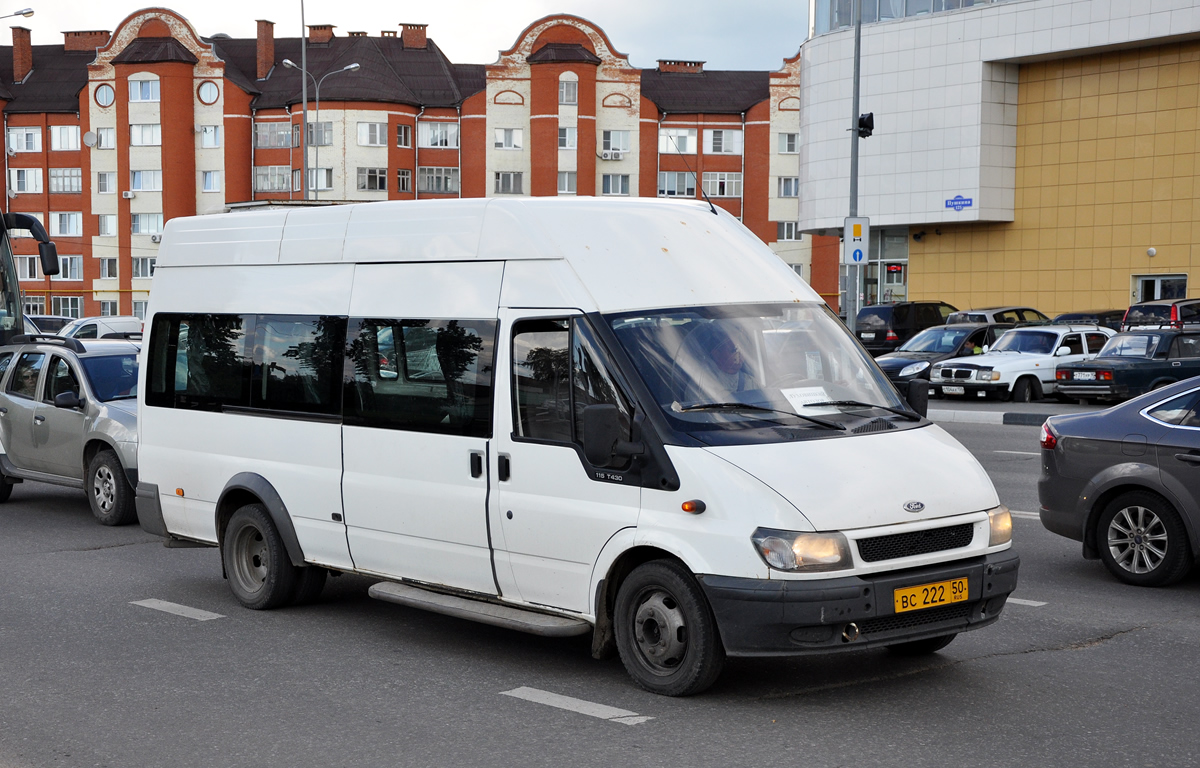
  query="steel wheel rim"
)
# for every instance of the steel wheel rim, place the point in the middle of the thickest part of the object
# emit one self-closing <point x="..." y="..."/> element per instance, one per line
<point x="251" y="558"/>
<point x="660" y="632"/>
<point x="1137" y="540"/>
<point x="104" y="489"/>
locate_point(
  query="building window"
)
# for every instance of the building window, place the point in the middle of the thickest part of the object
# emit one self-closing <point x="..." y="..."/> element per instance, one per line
<point x="106" y="183"/>
<point x="789" y="186"/>
<point x="105" y="95"/>
<point x="615" y="141"/>
<point x="677" y="141"/>
<point x="66" y="223"/>
<point x="70" y="268"/>
<point x="143" y="266"/>
<point x="789" y="143"/>
<point x="210" y="181"/>
<point x="404" y="136"/>
<point x="108" y="308"/>
<point x="208" y="92"/>
<point x="147" y="223"/>
<point x="372" y="134"/>
<point x="145" y="181"/>
<point x="372" y="179"/>
<point x="615" y="184"/>
<point x="143" y="90"/>
<point x="27" y="180"/>
<point x="25" y="139"/>
<point x="106" y="138"/>
<point x="676" y="184"/>
<point x="404" y="180"/>
<point x="28" y="268"/>
<point x="64" y="138"/>
<point x="437" y="134"/>
<point x="108" y="268"/>
<point x="568" y="92"/>
<point x="723" y="184"/>
<point x="320" y="134"/>
<point x="799" y="270"/>
<point x="722" y="142"/>
<point x="66" y="306"/>
<point x="106" y="225"/>
<point x="35" y="305"/>
<point x="210" y="136"/>
<point x="319" y="179"/>
<point x="139" y="309"/>
<point x="269" y="135"/>
<point x="145" y="135"/>
<point x="787" y="231"/>
<point x="271" y="178"/>
<point x="508" y="183"/>
<point x="566" y="138"/>
<point x="438" y="180"/>
<point x="509" y="138"/>
<point x="566" y="182"/>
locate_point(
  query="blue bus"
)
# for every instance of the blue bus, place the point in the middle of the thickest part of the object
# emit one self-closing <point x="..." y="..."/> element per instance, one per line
<point x="12" y="315"/>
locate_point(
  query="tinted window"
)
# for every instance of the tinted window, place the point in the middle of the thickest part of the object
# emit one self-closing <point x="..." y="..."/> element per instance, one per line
<point x="25" y="375"/>
<point x="541" y="379"/>
<point x="199" y="361"/>
<point x="1009" y="316"/>
<point x="61" y="379"/>
<point x="591" y="382"/>
<point x="113" y="377"/>
<point x="1189" y="312"/>
<point x="1095" y="342"/>
<point x="928" y="315"/>
<point x="1174" y="410"/>
<point x="298" y="363"/>
<point x="1073" y="342"/>
<point x="420" y="375"/>
<point x="1185" y="347"/>
<point x="1030" y="342"/>
<point x="1148" y="314"/>
<point x="874" y="317"/>
<point x="85" y="332"/>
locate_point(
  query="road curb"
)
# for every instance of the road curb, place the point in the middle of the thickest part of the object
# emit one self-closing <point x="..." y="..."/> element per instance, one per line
<point x="990" y="417"/>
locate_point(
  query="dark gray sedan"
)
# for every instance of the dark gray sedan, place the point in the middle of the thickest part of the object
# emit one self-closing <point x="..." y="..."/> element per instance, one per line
<point x="1126" y="483"/>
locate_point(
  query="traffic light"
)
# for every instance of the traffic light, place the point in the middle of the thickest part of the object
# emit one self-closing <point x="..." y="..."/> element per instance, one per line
<point x="866" y="124"/>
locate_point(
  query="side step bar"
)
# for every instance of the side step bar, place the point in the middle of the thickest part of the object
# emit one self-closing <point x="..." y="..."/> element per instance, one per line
<point x="497" y="615"/>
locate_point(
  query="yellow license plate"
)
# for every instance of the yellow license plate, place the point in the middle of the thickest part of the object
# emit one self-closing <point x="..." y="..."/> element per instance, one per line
<point x="930" y="595"/>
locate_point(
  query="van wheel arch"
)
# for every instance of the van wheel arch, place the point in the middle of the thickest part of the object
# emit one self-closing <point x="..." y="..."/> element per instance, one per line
<point x="604" y="640"/>
<point x="250" y="488"/>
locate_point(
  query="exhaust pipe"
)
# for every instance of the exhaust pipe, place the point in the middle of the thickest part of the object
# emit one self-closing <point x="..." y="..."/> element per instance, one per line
<point x="850" y="633"/>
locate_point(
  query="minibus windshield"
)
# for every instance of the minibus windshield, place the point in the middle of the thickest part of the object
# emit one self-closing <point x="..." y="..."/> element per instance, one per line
<point x="745" y="367"/>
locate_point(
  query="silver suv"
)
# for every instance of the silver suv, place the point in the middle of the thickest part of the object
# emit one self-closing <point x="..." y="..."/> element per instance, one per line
<point x="68" y="416"/>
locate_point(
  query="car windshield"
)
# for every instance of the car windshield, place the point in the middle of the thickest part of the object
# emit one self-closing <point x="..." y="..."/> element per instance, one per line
<point x="936" y="340"/>
<point x="112" y="377"/>
<point x="1027" y="342"/>
<point x="719" y="373"/>
<point x="1133" y="345"/>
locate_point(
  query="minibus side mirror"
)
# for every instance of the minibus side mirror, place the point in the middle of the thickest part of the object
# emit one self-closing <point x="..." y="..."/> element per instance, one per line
<point x="602" y="436"/>
<point x="49" y="258"/>
<point x="918" y="396"/>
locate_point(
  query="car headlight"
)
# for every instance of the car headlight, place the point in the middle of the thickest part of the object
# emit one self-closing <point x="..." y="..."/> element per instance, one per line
<point x="802" y="552"/>
<point x="914" y="369"/>
<point x="1000" y="521"/>
<point x="988" y="375"/>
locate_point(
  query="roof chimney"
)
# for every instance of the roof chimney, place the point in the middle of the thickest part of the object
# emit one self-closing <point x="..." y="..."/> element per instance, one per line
<point x="414" y="35"/>
<point x="683" y="67"/>
<point x="265" y="48"/>
<point x="22" y="54"/>
<point x="319" y="34"/>
<point x="87" y="41"/>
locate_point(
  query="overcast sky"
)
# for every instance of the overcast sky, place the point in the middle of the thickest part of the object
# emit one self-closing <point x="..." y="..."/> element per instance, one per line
<point x="751" y="34"/>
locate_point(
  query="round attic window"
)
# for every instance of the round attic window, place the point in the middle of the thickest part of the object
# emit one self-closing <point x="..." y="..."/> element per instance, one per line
<point x="105" y="95"/>
<point x="208" y="92"/>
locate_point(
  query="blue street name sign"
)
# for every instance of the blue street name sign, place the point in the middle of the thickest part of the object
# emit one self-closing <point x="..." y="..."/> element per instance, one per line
<point x="958" y="202"/>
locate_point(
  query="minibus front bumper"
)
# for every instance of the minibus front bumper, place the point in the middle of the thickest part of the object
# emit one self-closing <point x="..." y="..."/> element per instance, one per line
<point x="775" y="617"/>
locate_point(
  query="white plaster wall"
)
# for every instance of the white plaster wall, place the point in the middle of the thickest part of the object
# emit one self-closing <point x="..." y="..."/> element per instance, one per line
<point x="362" y="156"/>
<point x="104" y="160"/>
<point x="509" y="116"/>
<point x="213" y="158"/>
<point x="618" y="118"/>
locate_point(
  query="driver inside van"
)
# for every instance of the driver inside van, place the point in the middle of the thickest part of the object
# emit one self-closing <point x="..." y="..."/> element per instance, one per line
<point x="722" y="371"/>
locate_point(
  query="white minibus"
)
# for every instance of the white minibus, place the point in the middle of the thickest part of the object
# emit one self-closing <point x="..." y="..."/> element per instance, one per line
<point x="563" y="416"/>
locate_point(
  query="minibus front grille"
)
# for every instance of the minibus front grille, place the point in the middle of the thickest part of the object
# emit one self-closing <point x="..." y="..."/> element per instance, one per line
<point x="912" y="543"/>
<point x="910" y="619"/>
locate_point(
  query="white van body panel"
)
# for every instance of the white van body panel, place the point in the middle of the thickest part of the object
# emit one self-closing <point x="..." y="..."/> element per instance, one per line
<point x="322" y="289"/>
<point x="318" y="236"/>
<point x="249" y="237"/>
<point x="426" y="290"/>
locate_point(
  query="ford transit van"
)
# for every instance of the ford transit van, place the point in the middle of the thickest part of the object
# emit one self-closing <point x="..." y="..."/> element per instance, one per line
<point x="564" y="416"/>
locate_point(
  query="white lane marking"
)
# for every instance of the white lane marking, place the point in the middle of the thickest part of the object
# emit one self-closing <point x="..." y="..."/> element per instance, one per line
<point x="1026" y="515"/>
<point x="1021" y="453"/>
<point x="177" y="609"/>
<point x="589" y="708"/>
<point x="1030" y="603"/>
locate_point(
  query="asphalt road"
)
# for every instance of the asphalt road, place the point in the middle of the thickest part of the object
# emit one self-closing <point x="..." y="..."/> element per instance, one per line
<point x="1085" y="672"/>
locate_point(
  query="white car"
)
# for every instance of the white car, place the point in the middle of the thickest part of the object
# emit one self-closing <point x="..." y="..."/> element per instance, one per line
<point x="1021" y="364"/>
<point x="108" y="326"/>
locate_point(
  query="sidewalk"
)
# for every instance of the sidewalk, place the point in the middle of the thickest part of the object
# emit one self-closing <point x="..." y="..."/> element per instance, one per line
<point x="991" y="412"/>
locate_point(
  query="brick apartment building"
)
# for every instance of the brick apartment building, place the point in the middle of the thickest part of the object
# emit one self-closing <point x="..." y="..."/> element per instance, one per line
<point x="109" y="135"/>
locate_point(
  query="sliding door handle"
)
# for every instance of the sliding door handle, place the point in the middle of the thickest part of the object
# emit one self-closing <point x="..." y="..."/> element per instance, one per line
<point x="503" y="470"/>
<point x="476" y="464"/>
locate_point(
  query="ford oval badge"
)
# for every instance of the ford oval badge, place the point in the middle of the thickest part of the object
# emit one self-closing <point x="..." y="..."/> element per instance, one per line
<point x="913" y="506"/>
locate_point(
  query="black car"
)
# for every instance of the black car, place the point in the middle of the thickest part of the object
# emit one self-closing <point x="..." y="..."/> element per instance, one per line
<point x="914" y="358"/>
<point x="1125" y="482"/>
<point x="1110" y="318"/>
<point x="1133" y="363"/>
<point x="884" y="327"/>
<point x="1168" y="312"/>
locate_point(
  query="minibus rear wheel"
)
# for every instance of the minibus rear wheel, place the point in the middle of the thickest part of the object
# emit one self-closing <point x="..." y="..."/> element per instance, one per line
<point x="256" y="562"/>
<point x="666" y="633"/>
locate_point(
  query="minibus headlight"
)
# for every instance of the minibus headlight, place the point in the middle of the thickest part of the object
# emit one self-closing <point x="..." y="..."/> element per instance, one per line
<point x="1001" y="524"/>
<point x="914" y="369"/>
<point x="802" y="552"/>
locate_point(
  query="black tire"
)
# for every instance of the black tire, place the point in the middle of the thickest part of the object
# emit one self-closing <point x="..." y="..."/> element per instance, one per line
<point x="5" y="489"/>
<point x="688" y="658"/>
<point x="922" y="647"/>
<point x="309" y="582"/>
<point x="108" y="490"/>
<point x="256" y="562"/>
<point x="1026" y="390"/>
<point x="1142" y="540"/>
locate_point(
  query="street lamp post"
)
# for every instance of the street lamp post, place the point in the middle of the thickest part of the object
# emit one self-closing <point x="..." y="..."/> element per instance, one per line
<point x="316" y="117"/>
<point x="26" y="13"/>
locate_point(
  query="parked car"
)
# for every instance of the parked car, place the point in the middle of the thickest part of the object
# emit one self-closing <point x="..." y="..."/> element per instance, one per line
<point x="31" y="326"/>
<point x="1125" y="482"/>
<point x="50" y="323"/>
<point x="1162" y="312"/>
<point x="1133" y="363"/>
<point x="1021" y="364"/>
<point x="101" y="327"/>
<point x="1109" y="318"/>
<point x="916" y="357"/>
<point x="884" y="327"/>
<point x="68" y="416"/>
<point x="1013" y="315"/>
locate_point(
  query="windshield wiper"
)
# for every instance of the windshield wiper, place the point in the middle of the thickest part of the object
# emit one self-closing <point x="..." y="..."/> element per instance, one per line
<point x="747" y="407"/>
<point x="906" y="414"/>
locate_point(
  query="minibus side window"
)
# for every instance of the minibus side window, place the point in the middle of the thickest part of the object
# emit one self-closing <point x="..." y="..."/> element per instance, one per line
<point x="432" y="375"/>
<point x="591" y="383"/>
<point x="199" y="361"/>
<point x="297" y="362"/>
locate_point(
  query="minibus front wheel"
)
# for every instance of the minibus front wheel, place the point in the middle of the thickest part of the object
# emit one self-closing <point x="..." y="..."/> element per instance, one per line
<point x="256" y="561"/>
<point x="665" y="630"/>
